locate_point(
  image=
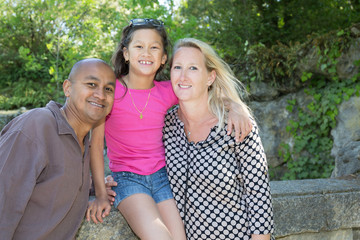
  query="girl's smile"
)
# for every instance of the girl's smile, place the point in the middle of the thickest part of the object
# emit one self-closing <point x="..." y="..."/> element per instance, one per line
<point x="145" y="53"/>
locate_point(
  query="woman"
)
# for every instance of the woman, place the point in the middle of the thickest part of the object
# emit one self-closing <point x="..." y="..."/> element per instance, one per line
<point x="221" y="187"/>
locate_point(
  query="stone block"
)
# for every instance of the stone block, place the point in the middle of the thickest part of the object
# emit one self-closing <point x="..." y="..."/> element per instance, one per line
<point x="321" y="209"/>
<point x="114" y="227"/>
<point x="356" y="233"/>
<point x="333" y="235"/>
<point x="315" y="205"/>
<point x="346" y="135"/>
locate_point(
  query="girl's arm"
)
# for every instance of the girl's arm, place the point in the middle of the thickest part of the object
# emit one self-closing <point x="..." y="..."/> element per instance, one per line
<point x="239" y="119"/>
<point x="100" y="207"/>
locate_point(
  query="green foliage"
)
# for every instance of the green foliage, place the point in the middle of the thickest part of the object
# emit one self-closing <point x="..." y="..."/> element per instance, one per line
<point x="229" y="24"/>
<point x="41" y="40"/>
<point x="310" y="155"/>
<point x="306" y="76"/>
<point x="55" y="34"/>
<point x="276" y="65"/>
<point x="279" y="64"/>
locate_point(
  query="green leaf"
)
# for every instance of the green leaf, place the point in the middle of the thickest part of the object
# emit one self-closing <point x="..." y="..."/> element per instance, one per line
<point x="51" y="70"/>
<point x="323" y="66"/>
<point x="340" y="33"/>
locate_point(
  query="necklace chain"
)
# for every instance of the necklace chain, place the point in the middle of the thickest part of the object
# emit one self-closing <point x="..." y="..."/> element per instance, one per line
<point x="187" y="132"/>
<point x="147" y="101"/>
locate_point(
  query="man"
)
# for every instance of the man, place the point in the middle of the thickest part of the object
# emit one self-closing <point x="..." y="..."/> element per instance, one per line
<point x="44" y="158"/>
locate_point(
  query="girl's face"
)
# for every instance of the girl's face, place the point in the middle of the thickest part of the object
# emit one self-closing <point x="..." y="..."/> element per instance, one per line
<point x="145" y="52"/>
<point x="189" y="76"/>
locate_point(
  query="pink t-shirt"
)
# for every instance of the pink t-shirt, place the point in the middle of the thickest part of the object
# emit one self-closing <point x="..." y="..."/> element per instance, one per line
<point x="134" y="144"/>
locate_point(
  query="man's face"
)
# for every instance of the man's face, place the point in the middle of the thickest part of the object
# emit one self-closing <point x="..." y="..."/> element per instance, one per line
<point x="90" y="92"/>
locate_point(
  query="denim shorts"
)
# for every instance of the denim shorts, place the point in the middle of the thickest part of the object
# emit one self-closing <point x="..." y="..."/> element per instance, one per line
<point x="156" y="185"/>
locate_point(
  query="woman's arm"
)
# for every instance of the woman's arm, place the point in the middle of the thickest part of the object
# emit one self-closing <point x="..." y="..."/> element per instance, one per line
<point x="254" y="173"/>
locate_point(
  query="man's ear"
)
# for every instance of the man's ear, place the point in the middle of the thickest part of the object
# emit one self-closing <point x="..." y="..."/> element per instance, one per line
<point x="66" y="87"/>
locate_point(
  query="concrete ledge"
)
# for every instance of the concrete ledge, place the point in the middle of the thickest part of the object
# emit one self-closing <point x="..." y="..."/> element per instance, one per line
<point x="321" y="207"/>
<point x="327" y="209"/>
<point x="333" y="235"/>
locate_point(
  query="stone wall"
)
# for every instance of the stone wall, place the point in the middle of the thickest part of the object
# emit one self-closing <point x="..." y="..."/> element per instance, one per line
<point x="346" y="136"/>
<point x="269" y="104"/>
<point x="273" y="117"/>
<point x="321" y="209"/>
<point x="114" y="227"/>
<point x="317" y="209"/>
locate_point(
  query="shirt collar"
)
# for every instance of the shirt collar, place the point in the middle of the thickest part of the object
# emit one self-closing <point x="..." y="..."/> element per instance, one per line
<point x="63" y="126"/>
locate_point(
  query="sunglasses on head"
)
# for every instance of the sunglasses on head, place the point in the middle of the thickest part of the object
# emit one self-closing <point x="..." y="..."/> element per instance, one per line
<point x="146" y="21"/>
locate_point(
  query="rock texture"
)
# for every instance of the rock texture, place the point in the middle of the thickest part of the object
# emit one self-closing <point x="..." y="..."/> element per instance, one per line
<point x="346" y="135"/>
<point x="114" y="227"/>
<point x="272" y="118"/>
<point x="320" y="208"/>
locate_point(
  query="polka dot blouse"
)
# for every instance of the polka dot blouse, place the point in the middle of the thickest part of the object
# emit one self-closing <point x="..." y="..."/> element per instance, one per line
<point x="221" y="187"/>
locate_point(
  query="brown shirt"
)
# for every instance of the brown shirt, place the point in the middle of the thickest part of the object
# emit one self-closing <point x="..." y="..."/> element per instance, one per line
<point x="44" y="179"/>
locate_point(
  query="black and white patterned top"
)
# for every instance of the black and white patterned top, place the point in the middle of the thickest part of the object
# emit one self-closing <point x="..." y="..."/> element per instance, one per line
<point x="221" y="187"/>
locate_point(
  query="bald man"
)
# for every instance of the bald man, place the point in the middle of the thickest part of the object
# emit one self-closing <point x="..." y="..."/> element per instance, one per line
<point x="44" y="158"/>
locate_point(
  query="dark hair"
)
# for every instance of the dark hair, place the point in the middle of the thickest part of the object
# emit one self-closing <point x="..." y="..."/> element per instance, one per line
<point x="118" y="60"/>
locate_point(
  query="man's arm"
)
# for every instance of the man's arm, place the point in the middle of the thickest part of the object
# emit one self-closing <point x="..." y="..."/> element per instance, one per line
<point x="21" y="162"/>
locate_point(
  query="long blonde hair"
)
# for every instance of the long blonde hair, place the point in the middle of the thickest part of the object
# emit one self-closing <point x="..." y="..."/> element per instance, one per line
<point x="225" y="86"/>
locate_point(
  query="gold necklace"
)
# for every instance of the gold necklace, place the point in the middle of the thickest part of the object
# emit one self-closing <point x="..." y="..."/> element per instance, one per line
<point x="141" y="115"/>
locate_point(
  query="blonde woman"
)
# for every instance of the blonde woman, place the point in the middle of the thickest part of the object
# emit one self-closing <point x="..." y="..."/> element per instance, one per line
<point x="221" y="187"/>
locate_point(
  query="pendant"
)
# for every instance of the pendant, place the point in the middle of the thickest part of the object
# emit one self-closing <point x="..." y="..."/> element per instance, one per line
<point x="141" y="116"/>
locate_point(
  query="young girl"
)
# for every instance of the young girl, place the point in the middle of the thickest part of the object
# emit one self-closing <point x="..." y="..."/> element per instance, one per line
<point x="133" y="132"/>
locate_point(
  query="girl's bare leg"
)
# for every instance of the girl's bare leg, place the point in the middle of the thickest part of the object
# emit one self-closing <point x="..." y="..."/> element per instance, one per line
<point x="142" y="214"/>
<point x="170" y="214"/>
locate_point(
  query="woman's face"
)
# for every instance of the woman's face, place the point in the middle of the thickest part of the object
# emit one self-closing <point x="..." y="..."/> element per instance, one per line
<point x="189" y="76"/>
